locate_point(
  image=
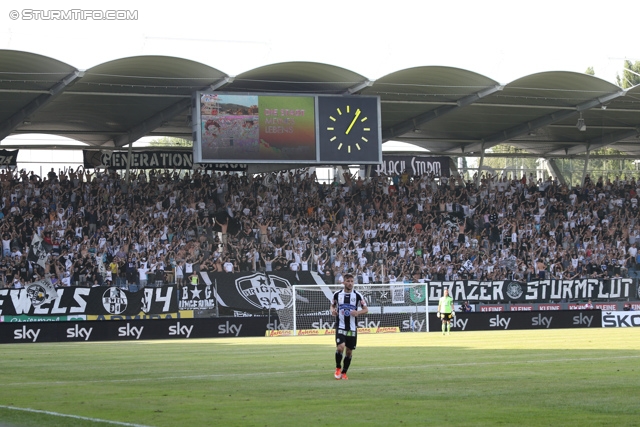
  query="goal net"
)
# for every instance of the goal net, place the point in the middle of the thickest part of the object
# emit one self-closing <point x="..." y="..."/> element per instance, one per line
<point x="392" y="307"/>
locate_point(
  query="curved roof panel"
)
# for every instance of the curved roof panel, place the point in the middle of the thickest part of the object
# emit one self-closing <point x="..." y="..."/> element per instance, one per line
<point x="149" y="75"/>
<point x="24" y="71"/>
<point x="431" y="83"/>
<point x="26" y="78"/>
<point x="296" y="77"/>
<point x="442" y="109"/>
<point x="413" y="98"/>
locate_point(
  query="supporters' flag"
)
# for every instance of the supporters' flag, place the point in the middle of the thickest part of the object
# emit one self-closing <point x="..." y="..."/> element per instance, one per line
<point x="101" y="268"/>
<point x="397" y="294"/>
<point x="38" y="252"/>
<point x="41" y="292"/>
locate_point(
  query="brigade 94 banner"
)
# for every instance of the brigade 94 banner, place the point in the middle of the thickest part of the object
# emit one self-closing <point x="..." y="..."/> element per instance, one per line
<point x="250" y="292"/>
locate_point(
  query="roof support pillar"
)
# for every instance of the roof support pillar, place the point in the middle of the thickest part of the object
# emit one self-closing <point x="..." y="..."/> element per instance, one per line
<point x="414" y="122"/>
<point x="477" y="183"/>
<point x="127" y="174"/>
<point x="453" y="167"/>
<point x="555" y="170"/>
<point x="358" y="87"/>
<point x="586" y="164"/>
<point x="40" y="101"/>
<point x="601" y="141"/>
<point x="521" y="129"/>
<point x="167" y="114"/>
<point x="220" y="83"/>
<point x="151" y="123"/>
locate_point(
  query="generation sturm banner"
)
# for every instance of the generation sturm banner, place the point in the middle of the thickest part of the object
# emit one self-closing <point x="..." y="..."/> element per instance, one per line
<point x="152" y="160"/>
<point x="97" y="300"/>
<point x="537" y="291"/>
<point x="251" y="292"/>
<point x="414" y="165"/>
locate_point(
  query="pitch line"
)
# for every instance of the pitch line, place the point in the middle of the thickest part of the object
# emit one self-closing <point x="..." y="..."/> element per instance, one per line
<point x="77" y="417"/>
<point x="312" y="371"/>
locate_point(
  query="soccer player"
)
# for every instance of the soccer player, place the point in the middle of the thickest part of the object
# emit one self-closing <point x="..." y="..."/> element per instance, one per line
<point x="345" y="305"/>
<point x="446" y="312"/>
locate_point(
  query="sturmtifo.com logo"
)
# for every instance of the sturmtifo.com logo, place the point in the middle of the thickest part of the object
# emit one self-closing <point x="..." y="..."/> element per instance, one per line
<point x="73" y="15"/>
<point x="114" y="300"/>
<point x="274" y="292"/>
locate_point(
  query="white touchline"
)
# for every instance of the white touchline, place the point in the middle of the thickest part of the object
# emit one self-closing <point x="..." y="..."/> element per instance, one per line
<point x="78" y="417"/>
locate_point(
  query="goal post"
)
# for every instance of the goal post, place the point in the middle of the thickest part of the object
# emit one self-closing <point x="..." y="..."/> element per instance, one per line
<point x="402" y="307"/>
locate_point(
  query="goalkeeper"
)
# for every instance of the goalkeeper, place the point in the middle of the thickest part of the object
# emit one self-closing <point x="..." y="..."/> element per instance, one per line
<point x="446" y="312"/>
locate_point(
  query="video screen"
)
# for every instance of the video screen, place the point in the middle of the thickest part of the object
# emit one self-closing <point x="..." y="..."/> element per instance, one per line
<point x="256" y="128"/>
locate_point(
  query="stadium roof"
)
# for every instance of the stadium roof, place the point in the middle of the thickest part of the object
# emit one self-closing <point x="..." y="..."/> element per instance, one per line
<point x="442" y="109"/>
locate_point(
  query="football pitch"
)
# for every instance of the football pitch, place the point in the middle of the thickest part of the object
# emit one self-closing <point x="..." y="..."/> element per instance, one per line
<point x="569" y="377"/>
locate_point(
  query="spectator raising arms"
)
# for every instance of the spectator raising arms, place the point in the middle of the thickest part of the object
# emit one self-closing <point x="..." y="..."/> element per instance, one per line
<point x="380" y="229"/>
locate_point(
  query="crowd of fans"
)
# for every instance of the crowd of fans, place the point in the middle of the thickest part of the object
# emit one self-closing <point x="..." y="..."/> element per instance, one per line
<point x="163" y="226"/>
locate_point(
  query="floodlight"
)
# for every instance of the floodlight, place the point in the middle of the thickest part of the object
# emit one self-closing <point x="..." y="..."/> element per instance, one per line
<point x="581" y="125"/>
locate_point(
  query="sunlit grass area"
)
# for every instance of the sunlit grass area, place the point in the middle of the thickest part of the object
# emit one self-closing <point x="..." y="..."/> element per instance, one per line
<point x="538" y="377"/>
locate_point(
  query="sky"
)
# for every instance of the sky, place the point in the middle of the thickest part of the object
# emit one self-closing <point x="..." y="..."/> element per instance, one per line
<point x="503" y="40"/>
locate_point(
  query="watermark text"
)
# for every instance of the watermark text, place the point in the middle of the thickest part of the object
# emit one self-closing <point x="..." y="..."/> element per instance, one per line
<point x="73" y="15"/>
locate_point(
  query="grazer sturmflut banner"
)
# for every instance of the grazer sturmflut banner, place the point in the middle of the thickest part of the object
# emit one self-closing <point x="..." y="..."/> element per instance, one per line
<point x="414" y="165"/>
<point x="250" y="292"/>
<point x="99" y="300"/>
<point x="536" y="291"/>
<point x="148" y="159"/>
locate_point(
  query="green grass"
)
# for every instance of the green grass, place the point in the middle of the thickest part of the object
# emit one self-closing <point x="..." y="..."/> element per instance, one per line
<point x="526" y="378"/>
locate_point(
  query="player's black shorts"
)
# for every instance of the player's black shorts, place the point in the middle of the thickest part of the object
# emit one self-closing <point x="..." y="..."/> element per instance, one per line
<point x="446" y="316"/>
<point x="349" y="338"/>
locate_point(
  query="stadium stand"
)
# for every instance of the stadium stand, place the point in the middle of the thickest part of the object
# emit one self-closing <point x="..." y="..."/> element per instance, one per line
<point x="165" y="225"/>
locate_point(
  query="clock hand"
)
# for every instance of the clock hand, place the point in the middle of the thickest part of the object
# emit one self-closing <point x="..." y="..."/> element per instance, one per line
<point x="353" y="121"/>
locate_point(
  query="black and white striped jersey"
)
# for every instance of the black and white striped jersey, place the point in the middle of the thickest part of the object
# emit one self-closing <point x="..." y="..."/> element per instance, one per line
<point x="346" y="303"/>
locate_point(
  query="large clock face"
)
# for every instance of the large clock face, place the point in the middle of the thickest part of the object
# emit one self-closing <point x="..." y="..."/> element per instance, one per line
<point x="348" y="129"/>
